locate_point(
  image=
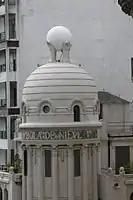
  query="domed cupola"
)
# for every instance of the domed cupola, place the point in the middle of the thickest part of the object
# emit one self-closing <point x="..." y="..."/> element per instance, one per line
<point x="59" y="91"/>
<point x="59" y="132"/>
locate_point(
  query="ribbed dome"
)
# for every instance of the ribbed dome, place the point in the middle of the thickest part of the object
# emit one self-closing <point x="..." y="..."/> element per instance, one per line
<point x="60" y="86"/>
<point x="58" y="79"/>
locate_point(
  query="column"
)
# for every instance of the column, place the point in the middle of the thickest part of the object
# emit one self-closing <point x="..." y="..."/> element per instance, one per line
<point x="94" y="173"/>
<point x="112" y="158"/>
<point x="99" y="158"/>
<point x="90" y="172"/>
<point x="29" y="175"/>
<point x="54" y="174"/>
<point x="131" y="156"/>
<point x="70" y="173"/>
<point x="85" y="173"/>
<point x="24" y="178"/>
<point x="41" y="173"/>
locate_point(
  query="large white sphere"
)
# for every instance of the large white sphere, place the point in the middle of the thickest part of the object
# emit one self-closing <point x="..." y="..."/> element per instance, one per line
<point x="58" y="35"/>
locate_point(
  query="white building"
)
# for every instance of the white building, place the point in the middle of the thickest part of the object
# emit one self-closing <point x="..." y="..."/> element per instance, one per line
<point x="65" y="152"/>
<point x="21" y="26"/>
<point x="60" y="128"/>
<point x="9" y="61"/>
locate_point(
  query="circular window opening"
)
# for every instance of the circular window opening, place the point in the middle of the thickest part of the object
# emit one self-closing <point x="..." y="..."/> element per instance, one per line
<point x="46" y="109"/>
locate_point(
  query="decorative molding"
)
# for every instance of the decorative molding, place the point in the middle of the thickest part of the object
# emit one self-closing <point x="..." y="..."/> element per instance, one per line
<point x="33" y="110"/>
<point x="89" y="109"/>
<point x="61" y="110"/>
<point x="79" y="102"/>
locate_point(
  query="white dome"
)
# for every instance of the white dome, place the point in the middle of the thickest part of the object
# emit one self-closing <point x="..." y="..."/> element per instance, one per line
<point x="58" y="35"/>
<point x="59" y="85"/>
<point x="58" y="79"/>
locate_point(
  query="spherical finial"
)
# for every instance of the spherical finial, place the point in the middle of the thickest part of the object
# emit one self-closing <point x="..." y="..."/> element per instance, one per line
<point x="59" y="35"/>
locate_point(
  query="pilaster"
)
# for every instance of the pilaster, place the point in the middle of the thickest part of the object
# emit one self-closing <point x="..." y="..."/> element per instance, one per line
<point x="70" y="173"/>
<point x="54" y="174"/>
<point x="85" y="172"/>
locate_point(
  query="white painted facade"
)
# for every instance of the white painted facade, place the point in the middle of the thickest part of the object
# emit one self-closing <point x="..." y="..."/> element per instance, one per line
<point x="102" y="39"/>
<point x="9" y="63"/>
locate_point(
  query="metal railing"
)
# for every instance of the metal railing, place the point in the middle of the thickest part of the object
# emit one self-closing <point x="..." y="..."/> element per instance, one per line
<point x="2" y="68"/>
<point x="2" y="36"/>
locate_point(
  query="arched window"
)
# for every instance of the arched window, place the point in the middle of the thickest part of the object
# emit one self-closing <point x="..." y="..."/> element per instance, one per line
<point x="5" y="194"/>
<point x="76" y="112"/>
<point x="131" y="196"/>
<point x="1" y="196"/>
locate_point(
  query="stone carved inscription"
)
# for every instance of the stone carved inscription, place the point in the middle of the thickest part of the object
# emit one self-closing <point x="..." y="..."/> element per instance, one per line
<point x="60" y="135"/>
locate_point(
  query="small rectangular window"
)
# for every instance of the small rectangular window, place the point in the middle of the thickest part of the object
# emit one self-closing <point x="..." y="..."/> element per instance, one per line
<point x="12" y="60"/>
<point x="122" y="158"/>
<point x="132" y="69"/>
<point x="47" y="163"/>
<point x="25" y="163"/>
<point x="77" y="162"/>
<point x="13" y="93"/>
<point x="12" y="125"/>
<point x="101" y="111"/>
<point x="12" y="156"/>
<point x="12" y="26"/>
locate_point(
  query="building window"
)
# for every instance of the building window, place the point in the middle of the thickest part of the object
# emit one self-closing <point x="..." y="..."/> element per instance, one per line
<point x="131" y="196"/>
<point x="12" y="125"/>
<point x="47" y="163"/>
<point x="5" y="194"/>
<point x="76" y="112"/>
<point x="77" y="162"/>
<point x="101" y="111"/>
<point x="122" y="158"/>
<point x="12" y="60"/>
<point x="46" y="109"/>
<point x="12" y="156"/>
<point x="12" y="26"/>
<point x="1" y="196"/>
<point x="132" y="69"/>
<point x="13" y="93"/>
<point x="25" y="162"/>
